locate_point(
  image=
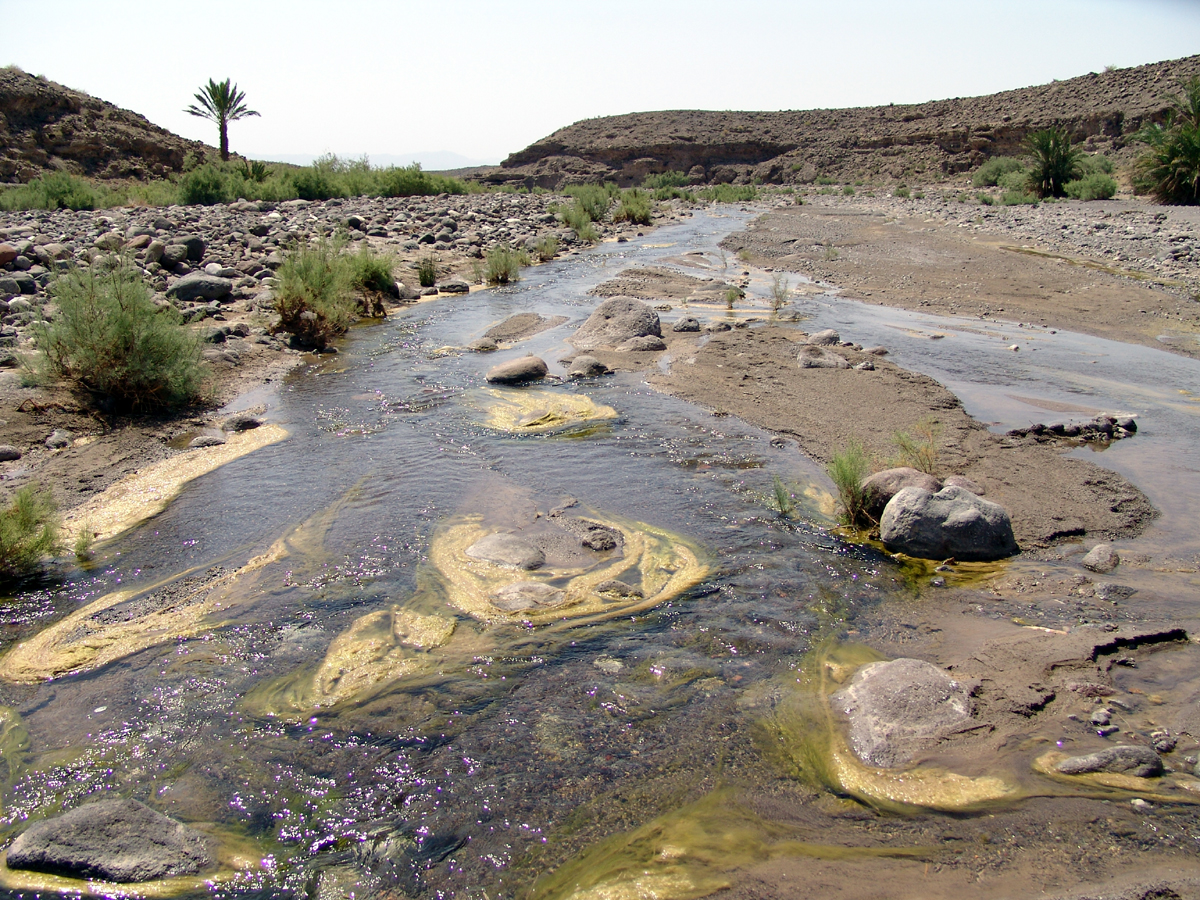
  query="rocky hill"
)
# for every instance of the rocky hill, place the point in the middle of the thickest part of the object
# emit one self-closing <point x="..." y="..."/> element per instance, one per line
<point x="47" y="127"/>
<point x="914" y="142"/>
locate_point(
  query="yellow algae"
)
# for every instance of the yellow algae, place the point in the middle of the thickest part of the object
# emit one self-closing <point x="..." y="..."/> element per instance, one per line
<point x="540" y="412"/>
<point x="147" y="492"/>
<point x="14" y="742"/>
<point x="101" y="633"/>
<point x="689" y="853"/>
<point x="928" y="787"/>
<point x="1146" y="788"/>
<point x="655" y="563"/>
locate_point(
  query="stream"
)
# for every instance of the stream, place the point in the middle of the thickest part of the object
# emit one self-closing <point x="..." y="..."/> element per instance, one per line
<point x="505" y="749"/>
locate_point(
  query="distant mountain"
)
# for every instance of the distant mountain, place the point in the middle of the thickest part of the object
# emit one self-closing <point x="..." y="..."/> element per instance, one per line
<point x="430" y="160"/>
<point x="47" y="127"/>
<point x="916" y="142"/>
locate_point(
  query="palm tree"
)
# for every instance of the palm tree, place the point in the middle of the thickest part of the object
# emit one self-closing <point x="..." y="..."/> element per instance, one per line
<point x="1055" y="162"/>
<point x="221" y="103"/>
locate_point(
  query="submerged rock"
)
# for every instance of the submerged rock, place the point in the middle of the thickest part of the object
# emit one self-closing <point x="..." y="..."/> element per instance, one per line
<point x="615" y="322"/>
<point x="526" y="595"/>
<point x="950" y="523"/>
<point x="507" y="550"/>
<point x="585" y="366"/>
<point x="899" y="708"/>
<point x="1126" y="759"/>
<point x="1102" y="559"/>
<point x="115" y="840"/>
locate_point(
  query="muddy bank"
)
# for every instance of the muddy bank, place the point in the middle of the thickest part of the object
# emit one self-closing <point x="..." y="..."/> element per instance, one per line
<point x="1121" y="270"/>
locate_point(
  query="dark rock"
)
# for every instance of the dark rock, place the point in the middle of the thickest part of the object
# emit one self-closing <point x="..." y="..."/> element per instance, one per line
<point x="585" y="366"/>
<point x="950" y="523"/>
<point x="115" y="840"/>
<point x="814" y="357"/>
<point x="60" y="440"/>
<point x="620" y="589"/>
<point x="507" y="550"/>
<point x="1126" y="759"/>
<point x="195" y="247"/>
<point x="644" y="343"/>
<point x="899" y="708"/>
<point x="518" y="371"/>
<point x="883" y="486"/>
<point x="592" y="535"/>
<point x="616" y="321"/>
<point x="8" y="453"/>
<point x="454" y="286"/>
<point x="483" y="345"/>
<point x="7" y="253"/>
<point x="685" y="325"/>
<point x="205" y="440"/>
<point x="200" y="286"/>
<point x="242" y="421"/>
<point x="172" y="255"/>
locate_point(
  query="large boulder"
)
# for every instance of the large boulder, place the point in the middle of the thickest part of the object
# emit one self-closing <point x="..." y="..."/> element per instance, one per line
<point x="883" y="486"/>
<point x="115" y="840"/>
<point x="518" y="371"/>
<point x="825" y="338"/>
<point x="200" y="286"/>
<point x="950" y="523"/>
<point x="615" y="322"/>
<point x="900" y="708"/>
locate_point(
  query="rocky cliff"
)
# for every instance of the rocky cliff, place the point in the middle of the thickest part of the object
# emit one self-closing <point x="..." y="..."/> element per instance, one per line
<point x="916" y="142"/>
<point x="47" y="127"/>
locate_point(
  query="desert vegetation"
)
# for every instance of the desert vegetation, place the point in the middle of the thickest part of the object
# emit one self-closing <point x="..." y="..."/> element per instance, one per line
<point x="30" y="530"/>
<point x="1170" y="169"/>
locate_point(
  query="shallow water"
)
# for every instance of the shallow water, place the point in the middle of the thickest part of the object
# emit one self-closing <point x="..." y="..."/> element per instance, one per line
<point x="521" y="746"/>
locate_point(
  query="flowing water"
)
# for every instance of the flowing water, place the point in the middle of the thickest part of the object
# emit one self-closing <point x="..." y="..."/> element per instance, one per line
<point x="504" y="748"/>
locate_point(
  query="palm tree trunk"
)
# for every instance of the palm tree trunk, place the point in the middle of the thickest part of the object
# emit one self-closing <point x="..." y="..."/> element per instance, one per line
<point x="224" y="126"/>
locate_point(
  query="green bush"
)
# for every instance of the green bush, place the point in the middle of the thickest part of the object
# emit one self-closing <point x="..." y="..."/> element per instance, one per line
<point x="372" y="271"/>
<point x="1018" y="198"/>
<point x="988" y="175"/>
<point x="847" y="470"/>
<point x="825" y="180"/>
<point x="1094" y="164"/>
<point x="503" y="264"/>
<point x="1014" y="180"/>
<point x="546" y="247"/>
<point x="312" y="183"/>
<point x="29" y="530"/>
<point x="664" y="180"/>
<point x="315" y="294"/>
<point x="110" y="338"/>
<point x="55" y="191"/>
<point x="919" y="450"/>
<point x="1170" y="168"/>
<point x="673" y="193"/>
<point x="1096" y="186"/>
<point x="1054" y="162"/>
<point x="902" y="192"/>
<point x="985" y="198"/>
<point x="594" y="199"/>
<point x="634" y="207"/>
<point x="729" y="193"/>
<point x="205" y="185"/>
<point x="427" y="271"/>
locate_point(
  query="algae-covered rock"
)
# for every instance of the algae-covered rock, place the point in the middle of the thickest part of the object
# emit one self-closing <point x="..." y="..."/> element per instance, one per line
<point x="576" y="578"/>
<point x="1126" y="759"/>
<point x="540" y="412"/>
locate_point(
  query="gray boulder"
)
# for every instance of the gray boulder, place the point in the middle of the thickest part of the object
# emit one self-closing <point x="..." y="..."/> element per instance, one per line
<point x="8" y="453"/>
<point x="645" y="342"/>
<point x="950" y="523"/>
<point x="883" y="486"/>
<point x="1102" y="559"/>
<point x="686" y="324"/>
<point x="518" y="371"/>
<point x="200" y="286"/>
<point x="115" y="840"/>
<point x="507" y="550"/>
<point x="483" y="345"/>
<point x="172" y="255"/>
<point x="825" y="338"/>
<point x="454" y="286"/>
<point x="195" y="247"/>
<point x="1126" y="759"/>
<point x="814" y="357"/>
<point x="965" y="483"/>
<point x="900" y="708"/>
<point x="243" y="421"/>
<point x="585" y="366"/>
<point x="616" y="321"/>
<point x="59" y="439"/>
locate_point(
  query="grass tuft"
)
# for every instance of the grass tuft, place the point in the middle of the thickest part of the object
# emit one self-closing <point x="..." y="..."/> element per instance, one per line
<point x="847" y="470"/>
<point x="919" y="450"/>
<point x="502" y="264"/>
<point x="29" y="530"/>
<point x="315" y="297"/>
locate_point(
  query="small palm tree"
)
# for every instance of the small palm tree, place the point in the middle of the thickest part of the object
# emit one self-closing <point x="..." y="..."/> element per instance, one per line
<point x="1170" y="169"/>
<point x="221" y="103"/>
<point x="1055" y="162"/>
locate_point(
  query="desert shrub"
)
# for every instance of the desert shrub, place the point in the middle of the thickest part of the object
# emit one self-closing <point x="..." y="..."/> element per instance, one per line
<point x="312" y="183"/>
<point x="1054" y="162"/>
<point x="780" y="288"/>
<point x="634" y="207"/>
<point x="1096" y="186"/>
<point x="1170" y="167"/>
<point x="58" y="190"/>
<point x="988" y="175"/>
<point x="594" y="199"/>
<point x="1013" y="181"/>
<point x="1094" y="164"/>
<point x="315" y="294"/>
<point x="205" y="185"/>
<point x="29" y="530"/>
<point x="672" y="193"/>
<point x="847" y="470"/>
<point x="825" y="180"/>
<point x="729" y="193"/>
<point x="427" y="271"/>
<point x="902" y="192"/>
<point x="848" y="191"/>
<point x="255" y="171"/>
<point x="1018" y="198"/>
<point x="503" y="264"/>
<point x="546" y="247"/>
<point x="372" y="271"/>
<point x="587" y="233"/>
<point x="664" y="180"/>
<point x="919" y="450"/>
<point x="110" y="338"/>
<point x="985" y="198"/>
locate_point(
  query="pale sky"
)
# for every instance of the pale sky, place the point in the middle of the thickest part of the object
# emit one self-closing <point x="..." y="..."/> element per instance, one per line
<point x="485" y="79"/>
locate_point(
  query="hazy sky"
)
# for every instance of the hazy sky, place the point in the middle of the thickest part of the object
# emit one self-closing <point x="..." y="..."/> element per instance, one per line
<point x="486" y="79"/>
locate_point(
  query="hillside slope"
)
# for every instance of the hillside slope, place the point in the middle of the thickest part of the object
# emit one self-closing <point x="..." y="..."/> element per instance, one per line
<point x="45" y="126"/>
<point x="897" y="142"/>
